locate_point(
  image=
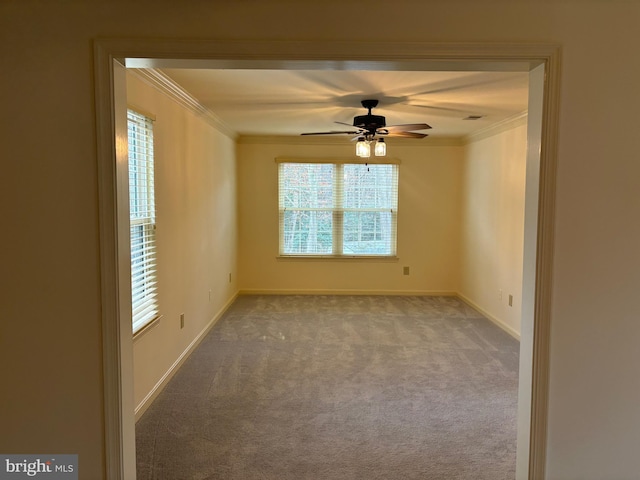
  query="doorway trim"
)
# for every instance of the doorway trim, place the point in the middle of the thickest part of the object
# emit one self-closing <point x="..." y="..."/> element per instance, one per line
<point x="109" y="57"/>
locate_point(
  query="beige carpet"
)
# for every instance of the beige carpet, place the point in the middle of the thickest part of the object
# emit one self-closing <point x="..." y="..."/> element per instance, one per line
<point x="339" y="387"/>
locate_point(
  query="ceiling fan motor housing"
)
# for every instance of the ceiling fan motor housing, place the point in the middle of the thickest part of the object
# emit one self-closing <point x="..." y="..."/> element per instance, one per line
<point x="370" y="122"/>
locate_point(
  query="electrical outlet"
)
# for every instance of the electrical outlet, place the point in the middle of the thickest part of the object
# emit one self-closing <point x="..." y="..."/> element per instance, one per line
<point x="182" y="320"/>
<point x="405" y="270"/>
<point x="511" y="300"/>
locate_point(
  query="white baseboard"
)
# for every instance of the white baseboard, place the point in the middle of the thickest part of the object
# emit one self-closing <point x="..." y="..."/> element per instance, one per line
<point x="432" y="293"/>
<point x="510" y="330"/>
<point x="155" y="391"/>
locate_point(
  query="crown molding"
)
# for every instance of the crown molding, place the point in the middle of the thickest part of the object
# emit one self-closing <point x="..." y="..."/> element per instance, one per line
<point x="164" y="84"/>
<point x="496" y="128"/>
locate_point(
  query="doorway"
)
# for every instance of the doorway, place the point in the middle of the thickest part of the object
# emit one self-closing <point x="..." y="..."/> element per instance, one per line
<point x="111" y="59"/>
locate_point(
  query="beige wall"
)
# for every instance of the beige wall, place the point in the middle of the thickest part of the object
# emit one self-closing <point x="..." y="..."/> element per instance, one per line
<point x="196" y="230"/>
<point x="428" y="224"/>
<point x="50" y="308"/>
<point x="491" y="246"/>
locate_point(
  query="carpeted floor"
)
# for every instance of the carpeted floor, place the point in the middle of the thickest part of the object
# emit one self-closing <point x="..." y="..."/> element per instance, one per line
<point x="339" y="388"/>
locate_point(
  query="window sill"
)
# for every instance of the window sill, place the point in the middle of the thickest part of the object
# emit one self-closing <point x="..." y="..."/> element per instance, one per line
<point x="147" y="328"/>
<point x="368" y="258"/>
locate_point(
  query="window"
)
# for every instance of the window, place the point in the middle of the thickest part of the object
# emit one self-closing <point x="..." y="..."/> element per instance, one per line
<point x="142" y="220"/>
<point x="337" y="209"/>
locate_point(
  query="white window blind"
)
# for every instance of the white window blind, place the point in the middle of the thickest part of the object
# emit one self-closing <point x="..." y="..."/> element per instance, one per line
<point x="335" y="209"/>
<point x="142" y="220"/>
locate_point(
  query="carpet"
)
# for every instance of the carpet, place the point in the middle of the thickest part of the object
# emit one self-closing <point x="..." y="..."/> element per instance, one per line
<point x="339" y="388"/>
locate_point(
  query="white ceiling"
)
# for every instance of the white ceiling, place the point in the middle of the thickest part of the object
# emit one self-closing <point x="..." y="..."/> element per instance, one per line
<point x="290" y="102"/>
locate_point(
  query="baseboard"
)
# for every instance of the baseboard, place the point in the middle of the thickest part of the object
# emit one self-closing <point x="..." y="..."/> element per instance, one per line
<point x="432" y="293"/>
<point x="510" y="330"/>
<point x="155" y="391"/>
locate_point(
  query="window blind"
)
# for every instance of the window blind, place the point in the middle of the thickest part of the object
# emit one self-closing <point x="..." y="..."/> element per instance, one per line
<point x="370" y="204"/>
<point x="142" y="220"/>
<point x="338" y="209"/>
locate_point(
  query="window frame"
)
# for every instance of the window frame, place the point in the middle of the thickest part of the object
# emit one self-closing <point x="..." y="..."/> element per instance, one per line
<point x="338" y="210"/>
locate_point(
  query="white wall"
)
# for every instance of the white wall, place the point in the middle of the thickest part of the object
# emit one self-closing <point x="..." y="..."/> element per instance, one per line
<point x="50" y="310"/>
<point x="492" y="231"/>
<point x="195" y="185"/>
<point x="428" y="224"/>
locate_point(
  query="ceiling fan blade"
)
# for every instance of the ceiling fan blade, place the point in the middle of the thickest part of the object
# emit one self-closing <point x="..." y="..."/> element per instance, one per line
<point x="331" y="133"/>
<point x="407" y="127"/>
<point x="406" y="135"/>
<point x="344" y="123"/>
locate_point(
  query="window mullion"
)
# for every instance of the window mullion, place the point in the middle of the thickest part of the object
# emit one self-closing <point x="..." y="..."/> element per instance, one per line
<point x="338" y="210"/>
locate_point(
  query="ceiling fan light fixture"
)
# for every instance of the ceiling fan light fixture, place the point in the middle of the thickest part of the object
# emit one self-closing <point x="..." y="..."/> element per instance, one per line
<point x="363" y="149"/>
<point x="380" y="149"/>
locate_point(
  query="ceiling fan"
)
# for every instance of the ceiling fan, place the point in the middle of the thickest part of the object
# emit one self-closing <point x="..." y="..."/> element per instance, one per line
<point x="367" y="126"/>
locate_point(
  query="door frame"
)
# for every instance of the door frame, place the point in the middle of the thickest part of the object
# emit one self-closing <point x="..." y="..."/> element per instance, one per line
<point x="110" y="58"/>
